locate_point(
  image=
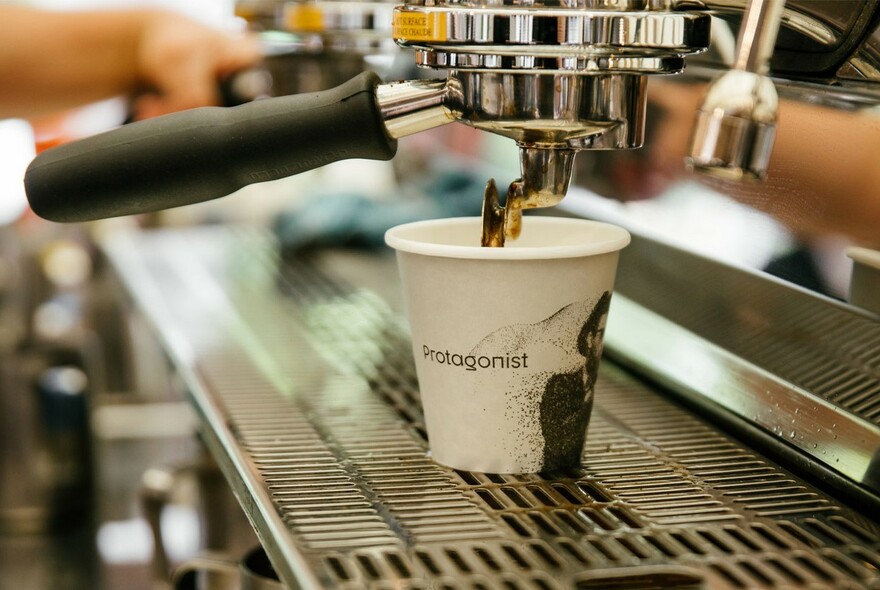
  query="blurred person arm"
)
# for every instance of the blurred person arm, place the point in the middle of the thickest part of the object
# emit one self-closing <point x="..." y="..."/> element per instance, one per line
<point x="823" y="177"/>
<point x="51" y="61"/>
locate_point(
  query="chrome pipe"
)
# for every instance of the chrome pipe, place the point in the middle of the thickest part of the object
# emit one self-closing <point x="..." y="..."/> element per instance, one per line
<point x="413" y="106"/>
<point x="757" y="35"/>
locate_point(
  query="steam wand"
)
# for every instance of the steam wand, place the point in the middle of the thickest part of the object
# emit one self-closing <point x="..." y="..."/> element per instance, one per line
<point x="736" y="124"/>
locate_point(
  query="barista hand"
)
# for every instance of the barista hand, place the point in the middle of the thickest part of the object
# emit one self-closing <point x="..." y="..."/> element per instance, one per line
<point x="50" y="61"/>
<point x="183" y="61"/>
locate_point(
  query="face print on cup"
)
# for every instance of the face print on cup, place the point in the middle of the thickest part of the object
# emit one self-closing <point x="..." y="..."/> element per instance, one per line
<point x="549" y="409"/>
<point x="568" y="397"/>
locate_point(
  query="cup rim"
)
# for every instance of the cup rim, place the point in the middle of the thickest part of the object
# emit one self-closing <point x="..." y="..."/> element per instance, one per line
<point x="616" y="239"/>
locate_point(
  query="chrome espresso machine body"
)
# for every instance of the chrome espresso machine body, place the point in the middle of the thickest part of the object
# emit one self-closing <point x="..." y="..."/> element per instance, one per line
<point x="737" y="417"/>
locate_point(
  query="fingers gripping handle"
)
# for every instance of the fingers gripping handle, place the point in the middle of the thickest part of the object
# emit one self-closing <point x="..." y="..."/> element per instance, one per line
<point x="206" y="153"/>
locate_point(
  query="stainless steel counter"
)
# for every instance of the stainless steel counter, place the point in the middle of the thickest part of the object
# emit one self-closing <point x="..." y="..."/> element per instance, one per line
<point x="300" y="371"/>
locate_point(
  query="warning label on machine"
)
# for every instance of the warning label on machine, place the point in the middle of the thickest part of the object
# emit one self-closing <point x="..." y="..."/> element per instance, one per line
<point x="419" y="26"/>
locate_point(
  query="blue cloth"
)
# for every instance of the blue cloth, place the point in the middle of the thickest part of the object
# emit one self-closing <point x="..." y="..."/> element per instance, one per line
<point x="356" y="221"/>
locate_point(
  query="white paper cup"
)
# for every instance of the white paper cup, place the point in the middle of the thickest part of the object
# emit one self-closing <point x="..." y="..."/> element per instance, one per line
<point x="507" y="340"/>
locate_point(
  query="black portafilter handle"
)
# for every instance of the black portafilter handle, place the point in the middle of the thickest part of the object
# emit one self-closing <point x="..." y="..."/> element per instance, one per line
<point x="206" y="153"/>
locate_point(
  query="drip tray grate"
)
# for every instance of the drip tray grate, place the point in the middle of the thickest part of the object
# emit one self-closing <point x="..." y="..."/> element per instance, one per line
<point x="307" y="383"/>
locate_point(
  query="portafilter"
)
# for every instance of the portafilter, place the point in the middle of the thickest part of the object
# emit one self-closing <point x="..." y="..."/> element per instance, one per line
<point x="555" y="76"/>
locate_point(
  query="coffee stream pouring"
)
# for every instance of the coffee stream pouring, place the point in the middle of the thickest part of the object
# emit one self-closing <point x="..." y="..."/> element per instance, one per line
<point x="556" y="77"/>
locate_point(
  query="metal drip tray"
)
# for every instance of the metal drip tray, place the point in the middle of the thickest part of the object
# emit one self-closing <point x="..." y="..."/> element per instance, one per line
<point x="302" y="375"/>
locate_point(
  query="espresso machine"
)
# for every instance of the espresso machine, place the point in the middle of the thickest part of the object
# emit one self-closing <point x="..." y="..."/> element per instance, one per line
<point x="735" y="431"/>
<point x="311" y="46"/>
